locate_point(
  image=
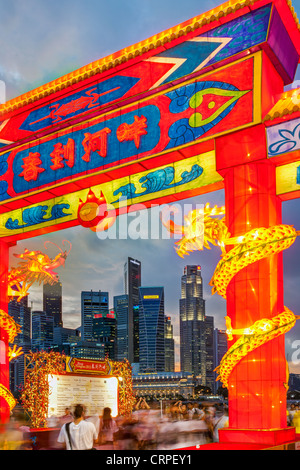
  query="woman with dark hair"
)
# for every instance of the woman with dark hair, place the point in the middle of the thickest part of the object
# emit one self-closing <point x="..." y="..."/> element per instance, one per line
<point x="108" y="428"/>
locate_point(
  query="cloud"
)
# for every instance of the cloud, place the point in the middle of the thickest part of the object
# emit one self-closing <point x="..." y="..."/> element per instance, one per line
<point x="45" y="40"/>
<point x="42" y="42"/>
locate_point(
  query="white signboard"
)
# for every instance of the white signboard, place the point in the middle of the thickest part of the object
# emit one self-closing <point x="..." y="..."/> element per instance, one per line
<point x="95" y="393"/>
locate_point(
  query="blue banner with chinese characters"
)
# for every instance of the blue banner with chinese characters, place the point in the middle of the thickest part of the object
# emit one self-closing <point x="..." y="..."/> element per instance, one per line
<point x="197" y="110"/>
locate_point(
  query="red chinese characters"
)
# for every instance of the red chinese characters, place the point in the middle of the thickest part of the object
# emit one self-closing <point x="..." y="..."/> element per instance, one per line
<point x="133" y="131"/>
<point x="31" y="167"/>
<point x="96" y="142"/>
<point x="63" y="153"/>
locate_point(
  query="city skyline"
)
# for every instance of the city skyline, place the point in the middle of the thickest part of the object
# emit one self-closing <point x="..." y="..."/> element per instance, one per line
<point x="94" y="301"/>
<point x="74" y="319"/>
<point x="99" y="264"/>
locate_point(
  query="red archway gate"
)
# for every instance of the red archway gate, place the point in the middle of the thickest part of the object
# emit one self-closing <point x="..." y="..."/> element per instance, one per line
<point x="196" y="108"/>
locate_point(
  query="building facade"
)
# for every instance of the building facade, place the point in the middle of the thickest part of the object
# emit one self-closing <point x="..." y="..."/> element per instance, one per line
<point x="21" y="313"/>
<point x="220" y="349"/>
<point x="132" y="282"/>
<point x="164" y="385"/>
<point x="169" y="346"/>
<point x="121" y="309"/>
<point x="151" y="329"/>
<point x="209" y="348"/>
<point x="92" y="303"/>
<point x="52" y="301"/>
<point x="87" y="350"/>
<point x="104" y="332"/>
<point x="42" y="331"/>
<point x="192" y="323"/>
<point x="63" y="337"/>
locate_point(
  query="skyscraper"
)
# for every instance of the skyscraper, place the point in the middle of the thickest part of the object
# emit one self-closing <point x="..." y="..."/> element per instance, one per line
<point x="132" y="282"/>
<point x="52" y="301"/>
<point x="104" y="332"/>
<point x="220" y="349"/>
<point x="42" y="331"/>
<point x="63" y="337"/>
<point x="169" y="346"/>
<point x="121" y="311"/>
<point x="192" y="323"/>
<point x="151" y="329"/>
<point x="209" y="348"/>
<point x="21" y="313"/>
<point x="92" y="303"/>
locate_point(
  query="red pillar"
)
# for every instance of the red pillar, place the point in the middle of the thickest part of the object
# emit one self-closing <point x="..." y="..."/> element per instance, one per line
<point x="257" y="395"/>
<point x="4" y="361"/>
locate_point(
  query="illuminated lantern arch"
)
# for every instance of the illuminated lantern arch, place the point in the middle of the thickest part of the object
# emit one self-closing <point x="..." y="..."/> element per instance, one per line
<point x="193" y="109"/>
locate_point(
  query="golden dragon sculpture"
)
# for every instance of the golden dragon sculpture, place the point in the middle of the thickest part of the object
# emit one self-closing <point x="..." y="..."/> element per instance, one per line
<point x="34" y="266"/>
<point x="200" y="229"/>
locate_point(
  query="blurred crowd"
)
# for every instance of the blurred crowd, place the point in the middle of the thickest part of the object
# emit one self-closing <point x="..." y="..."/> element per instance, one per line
<point x="179" y="425"/>
<point x="293" y="416"/>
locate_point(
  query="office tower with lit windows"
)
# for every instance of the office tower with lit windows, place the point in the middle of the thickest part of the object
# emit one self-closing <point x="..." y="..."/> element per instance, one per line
<point x="93" y="303"/>
<point x="42" y="331"/>
<point x="52" y="301"/>
<point x="192" y="324"/>
<point x="151" y="330"/>
<point x="104" y="332"/>
<point x="169" y="346"/>
<point x="132" y="282"/>
<point x="121" y="311"/>
<point x="220" y="349"/>
<point x="21" y="313"/>
<point x="63" y="338"/>
<point x="209" y="348"/>
<point x="88" y="350"/>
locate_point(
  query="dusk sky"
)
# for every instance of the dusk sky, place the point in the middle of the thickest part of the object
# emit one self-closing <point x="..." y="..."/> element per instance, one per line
<point x="43" y="40"/>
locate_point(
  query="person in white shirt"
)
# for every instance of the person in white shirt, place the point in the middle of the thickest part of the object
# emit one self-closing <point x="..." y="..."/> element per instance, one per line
<point x="82" y="434"/>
